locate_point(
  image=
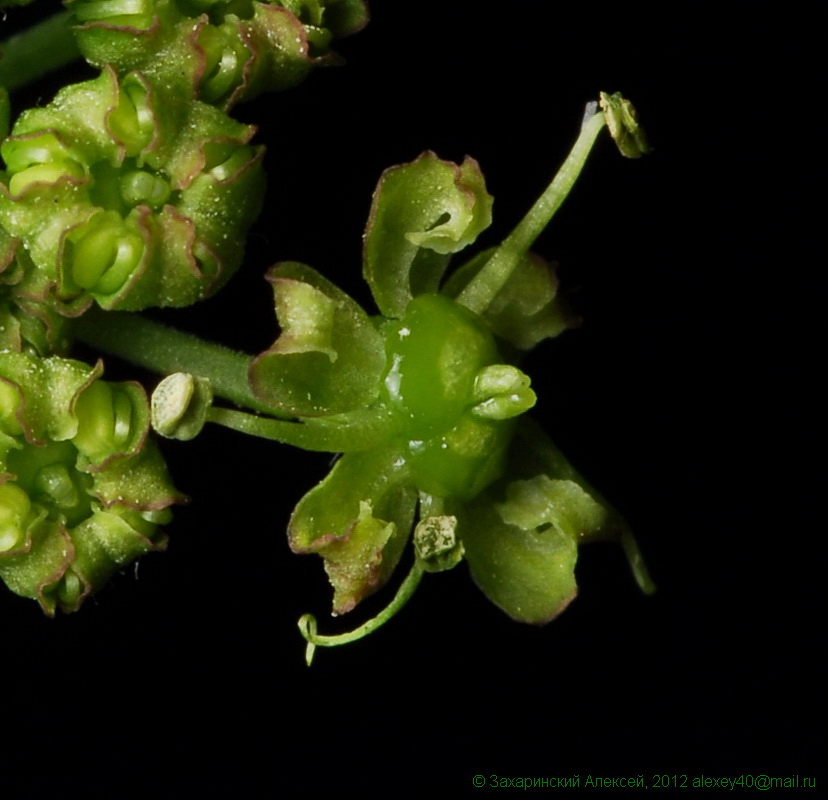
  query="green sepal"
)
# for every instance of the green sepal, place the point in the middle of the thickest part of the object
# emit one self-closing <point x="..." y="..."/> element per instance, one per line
<point x="527" y="309"/>
<point x="358" y="519"/>
<point x="329" y="358"/>
<point x="421" y="213"/>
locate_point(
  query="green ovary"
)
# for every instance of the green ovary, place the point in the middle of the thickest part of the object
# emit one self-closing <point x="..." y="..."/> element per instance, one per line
<point x="434" y="354"/>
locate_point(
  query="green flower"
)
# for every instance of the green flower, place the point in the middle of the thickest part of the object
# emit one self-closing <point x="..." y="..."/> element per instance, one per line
<point x="218" y="51"/>
<point x="82" y="490"/>
<point x="426" y="402"/>
<point x="123" y="197"/>
<point x="432" y="373"/>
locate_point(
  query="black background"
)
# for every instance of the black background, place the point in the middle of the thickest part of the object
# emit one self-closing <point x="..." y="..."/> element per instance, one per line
<point x="687" y="396"/>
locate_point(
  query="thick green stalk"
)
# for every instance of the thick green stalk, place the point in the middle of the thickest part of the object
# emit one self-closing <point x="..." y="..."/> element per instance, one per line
<point x="483" y="288"/>
<point x="165" y="350"/>
<point x="37" y="51"/>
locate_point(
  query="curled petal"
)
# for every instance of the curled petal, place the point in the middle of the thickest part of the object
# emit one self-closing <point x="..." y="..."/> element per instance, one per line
<point x="529" y="573"/>
<point x="358" y="519"/>
<point x="421" y="213"/>
<point x="329" y="358"/>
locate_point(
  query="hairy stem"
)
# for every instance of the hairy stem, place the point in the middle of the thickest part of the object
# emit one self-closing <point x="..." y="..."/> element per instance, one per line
<point x="165" y="350"/>
<point x="483" y="288"/>
<point x="37" y="51"/>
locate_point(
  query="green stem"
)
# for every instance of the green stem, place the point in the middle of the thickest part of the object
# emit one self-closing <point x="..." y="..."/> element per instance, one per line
<point x="636" y="561"/>
<point x="37" y="51"/>
<point x="342" y="433"/>
<point x="165" y="350"/>
<point x="483" y="288"/>
<point x="307" y="623"/>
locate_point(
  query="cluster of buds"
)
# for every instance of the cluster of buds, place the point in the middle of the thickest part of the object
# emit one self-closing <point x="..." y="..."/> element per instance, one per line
<point x="220" y="51"/>
<point x="127" y="200"/>
<point x="82" y="490"/>
<point x="135" y="189"/>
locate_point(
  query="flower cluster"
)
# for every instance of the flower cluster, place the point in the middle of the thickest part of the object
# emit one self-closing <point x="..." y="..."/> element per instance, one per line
<point x="121" y="197"/>
<point x="128" y="191"/>
<point x="82" y="490"/>
<point x="221" y="51"/>
<point x="135" y="190"/>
